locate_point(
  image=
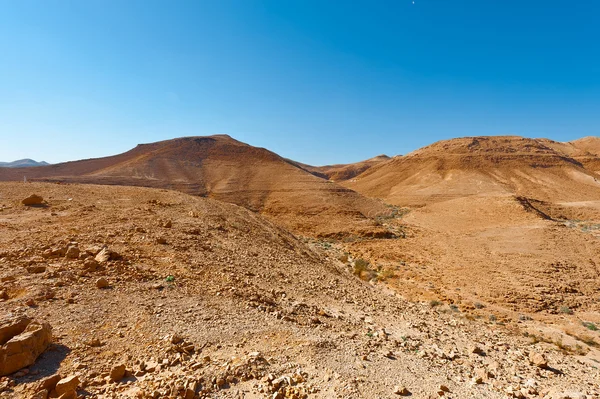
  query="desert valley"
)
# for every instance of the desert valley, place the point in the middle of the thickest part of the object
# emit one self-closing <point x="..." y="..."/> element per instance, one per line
<point x="204" y="267"/>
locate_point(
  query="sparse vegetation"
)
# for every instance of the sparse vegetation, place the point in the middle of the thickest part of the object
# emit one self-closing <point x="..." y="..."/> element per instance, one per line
<point x="433" y="303"/>
<point x="478" y="305"/>
<point x="362" y="269"/>
<point x="590" y="326"/>
<point x="170" y="279"/>
<point x="566" y="310"/>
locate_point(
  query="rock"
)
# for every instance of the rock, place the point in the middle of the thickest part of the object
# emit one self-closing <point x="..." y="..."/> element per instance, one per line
<point x="401" y="390"/>
<point x="22" y="340"/>
<point x="68" y="395"/>
<point x="102" y="283"/>
<point x="442" y="390"/>
<point x="67" y="385"/>
<point x="481" y="375"/>
<point x="3" y="295"/>
<point x="161" y="240"/>
<point x="94" y="343"/>
<point x="90" y="265"/>
<point x="538" y="359"/>
<point x="176" y="339"/>
<point x="42" y="394"/>
<point x="36" y="269"/>
<point x="117" y="372"/>
<point x="33" y="200"/>
<point x="49" y="383"/>
<point x="72" y="252"/>
<point x="476" y="350"/>
<point x="104" y="255"/>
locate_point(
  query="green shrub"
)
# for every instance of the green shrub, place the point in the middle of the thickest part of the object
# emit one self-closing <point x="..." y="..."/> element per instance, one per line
<point x="590" y="326"/>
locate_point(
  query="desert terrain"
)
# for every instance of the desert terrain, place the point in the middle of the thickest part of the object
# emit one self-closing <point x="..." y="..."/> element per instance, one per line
<point x="207" y="268"/>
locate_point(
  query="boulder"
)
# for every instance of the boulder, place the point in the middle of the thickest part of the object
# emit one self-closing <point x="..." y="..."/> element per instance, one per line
<point x="66" y="385"/>
<point x="33" y="200"/>
<point x="22" y="340"/>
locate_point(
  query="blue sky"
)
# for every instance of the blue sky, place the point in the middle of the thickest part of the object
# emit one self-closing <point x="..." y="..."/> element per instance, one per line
<point x="317" y="81"/>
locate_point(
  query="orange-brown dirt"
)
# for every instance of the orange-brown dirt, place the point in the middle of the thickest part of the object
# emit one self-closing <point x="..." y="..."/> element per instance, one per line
<point x="503" y="226"/>
<point x="354" y="291"/>
<point x="209" y="300"/>
<point x="226" y="169"/>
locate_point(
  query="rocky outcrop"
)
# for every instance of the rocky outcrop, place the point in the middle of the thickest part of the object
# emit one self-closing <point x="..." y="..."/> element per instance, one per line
<point x="33" y="200"/>
<point x="22" y="340"/>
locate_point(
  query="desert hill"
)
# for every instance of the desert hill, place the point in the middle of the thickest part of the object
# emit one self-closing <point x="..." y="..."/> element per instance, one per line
<point x="154" y="293"/>
<point x="22" y="163"/>
<point x="536" y="168"/>
<point x="226" y="169"/>
<point x="342" y="172"/>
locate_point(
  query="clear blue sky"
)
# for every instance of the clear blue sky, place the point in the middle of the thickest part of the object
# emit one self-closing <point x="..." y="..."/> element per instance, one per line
<point x="314" y="80"/>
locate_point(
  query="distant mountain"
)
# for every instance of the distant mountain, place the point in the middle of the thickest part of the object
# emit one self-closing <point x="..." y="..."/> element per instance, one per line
<point x="22" y="163"/>
<point x="343" y="171"/>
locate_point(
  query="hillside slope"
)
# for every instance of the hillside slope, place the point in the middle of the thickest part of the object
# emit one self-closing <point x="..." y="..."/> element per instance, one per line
<point x="206" y="299"/>
<point x="223" y="168"/>
<point x="343" y="172"/>
<point x="536" y="168"/>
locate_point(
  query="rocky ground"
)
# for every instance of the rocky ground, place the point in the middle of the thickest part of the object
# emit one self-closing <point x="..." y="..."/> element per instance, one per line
<point x="154" y="293"/>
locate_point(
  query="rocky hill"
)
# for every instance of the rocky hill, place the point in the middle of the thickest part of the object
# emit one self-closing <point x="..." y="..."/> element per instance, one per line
<point x="154" y="294"/>
<point x="536" y="168"/>
<point x="226" y="169"/>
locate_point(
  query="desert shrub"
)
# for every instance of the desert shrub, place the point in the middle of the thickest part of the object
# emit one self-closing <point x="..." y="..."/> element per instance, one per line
<point x="590" y="326"/>
<point x="478" y="305"/>
<point x="566" y="310"/>
<point x="362" y="270"/>
<point x="433" y="303"/>
<point x="385" y="274"/>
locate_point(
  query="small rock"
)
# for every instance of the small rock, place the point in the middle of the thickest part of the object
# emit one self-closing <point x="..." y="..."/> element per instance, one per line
<point x="476" y="350"/>
<point x="41" y="394"/>
<point x="33" y="200"/>
<point x="176" y="339"/>
<point x="94" y="343"/>
<point x="72" y="252"/>
<point x="401" y="390"/>
<point x="90" y="265"/>
<point x="102" y="283"/>
<point x="117" y="372"/>
<point x="538" y="359"/>
<point x="36" y="269"/>
<point x="104" y="255"/>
